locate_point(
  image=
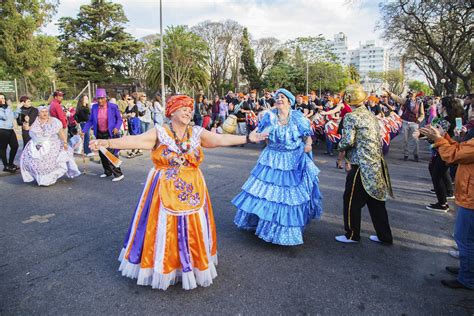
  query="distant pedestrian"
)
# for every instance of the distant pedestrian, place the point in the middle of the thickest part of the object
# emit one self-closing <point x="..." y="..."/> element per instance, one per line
<point x="26" y="118"/>
<point x="7" y="135"/>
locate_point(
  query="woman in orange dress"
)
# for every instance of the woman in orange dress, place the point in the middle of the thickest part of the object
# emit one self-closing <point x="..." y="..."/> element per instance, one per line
<point x="172" y="235"/>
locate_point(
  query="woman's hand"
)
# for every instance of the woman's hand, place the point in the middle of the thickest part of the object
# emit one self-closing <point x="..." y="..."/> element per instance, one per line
<point x="308" y="148"/>
<point x="65" y="146"/>
<point x="432" y="133"/>
<point x="257" y="137"/>
<point x="95" y="144"/>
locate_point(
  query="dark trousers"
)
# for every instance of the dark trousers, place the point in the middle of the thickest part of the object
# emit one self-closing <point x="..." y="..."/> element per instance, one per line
<point x="8" y="138"/>
<point x="109" y="168"/>
<point x="442" y="182"/>
<point x="25" y="135"/>
<point x="355" y="198"/>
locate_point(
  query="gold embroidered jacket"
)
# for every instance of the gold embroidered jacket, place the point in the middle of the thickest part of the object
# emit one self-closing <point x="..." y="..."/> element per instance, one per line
<point x="362" y="143"/>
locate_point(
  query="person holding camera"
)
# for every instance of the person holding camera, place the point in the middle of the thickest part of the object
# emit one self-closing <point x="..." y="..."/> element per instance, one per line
<point x="26" y="118"/>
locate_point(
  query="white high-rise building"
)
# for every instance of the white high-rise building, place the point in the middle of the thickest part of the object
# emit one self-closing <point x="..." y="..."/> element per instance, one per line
<point x="368" y="57"/>
<point x="372" y="58"/>
<point x="339" y="48"/>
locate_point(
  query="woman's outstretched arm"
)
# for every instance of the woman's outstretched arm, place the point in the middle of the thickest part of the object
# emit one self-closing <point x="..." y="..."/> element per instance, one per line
<point x="143" y="141"/>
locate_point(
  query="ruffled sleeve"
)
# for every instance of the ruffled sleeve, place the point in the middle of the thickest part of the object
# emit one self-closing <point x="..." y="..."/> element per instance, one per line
<point x="267" y="122"/>
<point x="304" y="125"/>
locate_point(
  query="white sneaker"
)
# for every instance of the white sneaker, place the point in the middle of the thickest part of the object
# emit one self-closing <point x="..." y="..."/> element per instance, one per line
<point x="454" y="253"/>
<point x="103" y="175"/>
<point x="343" y="239"/>
<point x="118" y="178"/>
<point x="452" y="197"/>
<point x="90" y="155"/>
<point x="374" y="238"/>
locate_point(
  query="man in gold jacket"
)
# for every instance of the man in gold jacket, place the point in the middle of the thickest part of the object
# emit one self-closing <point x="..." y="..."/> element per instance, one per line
<point x="367" y="182"/>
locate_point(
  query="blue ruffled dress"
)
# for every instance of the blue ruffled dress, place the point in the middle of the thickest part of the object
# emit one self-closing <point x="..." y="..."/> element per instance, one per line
<point x="282" y="193"/>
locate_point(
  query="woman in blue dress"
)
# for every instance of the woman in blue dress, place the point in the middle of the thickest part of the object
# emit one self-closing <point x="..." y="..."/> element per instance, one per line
<point x="282" y="193"/>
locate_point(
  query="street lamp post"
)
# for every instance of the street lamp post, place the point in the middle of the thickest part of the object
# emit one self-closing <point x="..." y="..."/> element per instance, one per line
<point x="162" y="71"/>
<point x="307" y="74"/>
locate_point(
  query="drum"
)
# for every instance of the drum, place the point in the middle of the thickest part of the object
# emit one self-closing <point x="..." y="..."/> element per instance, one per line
<point x="331" y="130"/>
<point x="230" y="124"/>
<point x="251" y="120"/>
<point x="317" y="124"/>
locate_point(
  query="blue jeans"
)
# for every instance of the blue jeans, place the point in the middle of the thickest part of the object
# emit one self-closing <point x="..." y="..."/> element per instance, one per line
<point x="87" y="138"/>
<point x="464" y="236"/>
<point x="329" y="145"/>
<point x="145" y="126"/>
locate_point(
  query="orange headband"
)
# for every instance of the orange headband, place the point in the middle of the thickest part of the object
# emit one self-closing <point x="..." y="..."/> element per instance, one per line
<point x="177" y="102"/>
<point x="373" y="98"/>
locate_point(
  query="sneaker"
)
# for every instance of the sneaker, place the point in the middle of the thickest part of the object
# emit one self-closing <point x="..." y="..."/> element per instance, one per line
<point x="454" y="254"/>
<point x="9" y="169"/>
<point x="104" y="175"/>
<point x="13" y="166"/>
<point x="438" y="208"/>
<point x="118" y="178"/>
<point x="451" y="197"/>
<point x="374" y="238"/>
<point x="90" y="155"/>
<point x="343" y="239"/>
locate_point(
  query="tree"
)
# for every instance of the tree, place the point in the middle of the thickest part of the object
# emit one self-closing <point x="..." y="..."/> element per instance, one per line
<point x="438" y="35"/>
<point x="222" y="39"/>
<point x="185" y="61"/>
<point x="392" y="79"/>
<point x="314" y="49"/>
<point x="420" y="86"/>
<point x="327" y="76"/>
<point x="24" y="52"/>
<point x="94" y="46"/>
<point x="249" y="69"/>
<point x="136" y="65"/>
<point x="265" y="50"/>
<point x="353" y="73"/>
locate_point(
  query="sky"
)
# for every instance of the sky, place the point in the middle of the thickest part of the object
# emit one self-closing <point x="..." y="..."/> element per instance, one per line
<point x="282" y="19"/>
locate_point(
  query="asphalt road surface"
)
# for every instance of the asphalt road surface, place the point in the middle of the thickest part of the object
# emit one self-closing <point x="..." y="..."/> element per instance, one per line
<point x="60" y="245"/>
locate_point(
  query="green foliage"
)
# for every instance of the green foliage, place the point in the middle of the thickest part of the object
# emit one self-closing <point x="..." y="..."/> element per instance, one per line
<point x="420" y="86"/>
<point x="315" y="49"/>
<point x="249" y="70"/>
<point x="353" y="73"/>
<point x="25" y="54"/>
<point x="94" y="46"/>
<point x="289" y="71"/>
<point x="185" y="59"/>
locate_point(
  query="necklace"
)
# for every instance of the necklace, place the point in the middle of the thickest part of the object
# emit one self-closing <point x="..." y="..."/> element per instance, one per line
<point x="183" y="146"/>
<point x="285" y="120"/>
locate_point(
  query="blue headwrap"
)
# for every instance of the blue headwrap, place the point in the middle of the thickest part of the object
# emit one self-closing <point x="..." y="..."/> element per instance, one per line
<point x="287" y="94"/>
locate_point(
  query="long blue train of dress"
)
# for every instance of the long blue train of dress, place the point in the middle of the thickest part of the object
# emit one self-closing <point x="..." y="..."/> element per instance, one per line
<point x="282" y="193"/>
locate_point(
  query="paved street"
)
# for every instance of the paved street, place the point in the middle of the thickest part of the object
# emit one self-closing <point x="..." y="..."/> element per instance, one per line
<point x="60" y="245"/>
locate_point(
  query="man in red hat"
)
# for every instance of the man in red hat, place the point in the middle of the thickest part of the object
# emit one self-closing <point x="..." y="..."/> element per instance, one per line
<point x="56" y="109"/>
